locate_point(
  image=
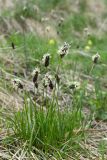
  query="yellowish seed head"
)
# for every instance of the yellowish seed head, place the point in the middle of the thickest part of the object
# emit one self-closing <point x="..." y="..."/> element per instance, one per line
<point x="87" y="48"/>
<point x="90" y="43"/>
<point x="51" y="42"/>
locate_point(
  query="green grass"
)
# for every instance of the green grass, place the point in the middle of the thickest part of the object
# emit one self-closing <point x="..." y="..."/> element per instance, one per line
<point x="49" y="130"/>
<point x="53" y="128"/>
<point x="48" y="5"/>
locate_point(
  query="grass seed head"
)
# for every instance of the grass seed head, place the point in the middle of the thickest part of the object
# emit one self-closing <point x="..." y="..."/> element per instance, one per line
<point x="46" y="59"/>
<point x="51" y="86"/>
<point x="64" y="50"/>
<point x="35" y="74"/>
<point x="96" y="58"/>
<point x="48" y="29"/>
<point x="45" y="83"/>
<point x="13" y="45"/>
<point x="75" y="86"/>
<point x="17" y="84"/>
<point x="48" y="81"/>
<point x="86" y="32"/>
<point x="60" y="21"/>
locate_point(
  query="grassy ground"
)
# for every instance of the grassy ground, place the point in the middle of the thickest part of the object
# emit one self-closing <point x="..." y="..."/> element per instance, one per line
<point x="62" y="114"/>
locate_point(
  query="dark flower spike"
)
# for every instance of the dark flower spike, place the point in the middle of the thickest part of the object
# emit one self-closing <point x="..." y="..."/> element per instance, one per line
<point x="48" y="81"/>
<point x="51" y="86"/>
<point x="13" y="45"/>
<point x="46" y="60"/>
<point x="35" y="74"/>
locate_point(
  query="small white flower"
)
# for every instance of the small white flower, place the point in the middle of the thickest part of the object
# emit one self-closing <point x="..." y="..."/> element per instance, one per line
<point x="96" y="58"/>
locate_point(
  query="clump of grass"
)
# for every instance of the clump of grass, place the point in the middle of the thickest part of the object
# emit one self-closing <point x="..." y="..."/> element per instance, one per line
<point x="103" y="148"/>
<point x="47" y="126"/>
<point x="49" y="130"/>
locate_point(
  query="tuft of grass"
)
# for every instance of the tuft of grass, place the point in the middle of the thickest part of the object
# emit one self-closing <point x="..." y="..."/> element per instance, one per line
<point x="48" y="129"/>
<point x="103" y="148"/>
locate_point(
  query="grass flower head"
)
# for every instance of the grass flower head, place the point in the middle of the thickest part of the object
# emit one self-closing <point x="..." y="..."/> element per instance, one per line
<point x="46" y="59"/>
<point x="96" y="58"/>
<point x="17" y="84"/>
<point x="75" y="86"/>
<point x="47" y="82"/>
<point x="35" y="74"/>
<point x="64" y="50"/>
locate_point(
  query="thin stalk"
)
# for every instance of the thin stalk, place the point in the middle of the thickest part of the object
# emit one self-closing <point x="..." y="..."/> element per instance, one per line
<point x="25" y="50"/>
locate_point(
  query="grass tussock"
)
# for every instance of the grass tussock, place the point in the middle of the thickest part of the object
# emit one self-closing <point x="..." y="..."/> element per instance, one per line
<point x="53" y="83"/>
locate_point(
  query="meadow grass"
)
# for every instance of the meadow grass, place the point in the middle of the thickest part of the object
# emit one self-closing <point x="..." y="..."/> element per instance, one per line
<point x="47" y="130"/>
<point x="52" y="129"/>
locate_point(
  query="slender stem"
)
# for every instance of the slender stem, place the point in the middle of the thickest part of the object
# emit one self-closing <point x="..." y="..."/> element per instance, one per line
<point x="92" y="69"/>
<point x="34" y="88"/>
<point x="25" y="51"/>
